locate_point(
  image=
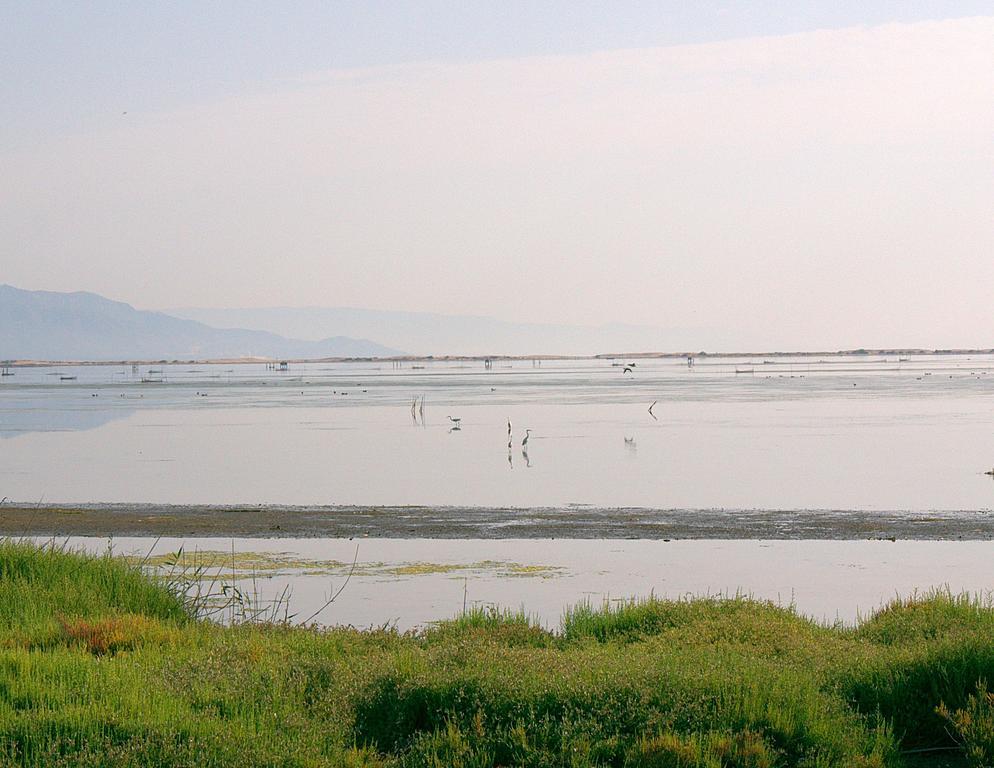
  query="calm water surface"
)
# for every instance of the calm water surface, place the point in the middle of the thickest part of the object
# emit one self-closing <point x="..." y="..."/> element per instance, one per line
<point x="862" y="432"/>
<point x="410" y="582"/>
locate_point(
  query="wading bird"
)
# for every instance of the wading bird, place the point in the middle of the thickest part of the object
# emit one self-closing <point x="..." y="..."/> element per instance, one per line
<point x="524" y="443"/>
<point x="454" y="421"/>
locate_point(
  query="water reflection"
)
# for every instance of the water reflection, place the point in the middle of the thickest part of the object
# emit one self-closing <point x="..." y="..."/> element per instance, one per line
<point x="23" y="415"/>
<point x="795" y="433"/>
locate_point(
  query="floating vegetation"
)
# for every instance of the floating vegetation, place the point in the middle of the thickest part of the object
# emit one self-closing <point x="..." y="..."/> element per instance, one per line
<point x="201" y="564"/>
<point x="207" y="564"/>
<point x="498" y="568"/>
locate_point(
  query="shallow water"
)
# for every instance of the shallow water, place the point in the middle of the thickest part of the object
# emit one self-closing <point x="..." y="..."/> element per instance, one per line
<point x="412" y="582"/>
<point x="860" y="432"/>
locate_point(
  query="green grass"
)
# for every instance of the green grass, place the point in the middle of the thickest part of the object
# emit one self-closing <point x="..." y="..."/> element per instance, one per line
<point x="102" y="665"/>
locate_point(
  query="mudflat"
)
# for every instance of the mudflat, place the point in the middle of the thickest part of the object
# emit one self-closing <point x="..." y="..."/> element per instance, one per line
<point x="572" y="522"/>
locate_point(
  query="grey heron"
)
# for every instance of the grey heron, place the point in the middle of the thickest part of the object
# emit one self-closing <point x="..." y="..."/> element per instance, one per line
<point x="524" y="443"/>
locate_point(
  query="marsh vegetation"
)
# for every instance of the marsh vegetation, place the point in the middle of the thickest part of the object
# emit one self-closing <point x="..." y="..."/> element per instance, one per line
<point x="103" y="664"/>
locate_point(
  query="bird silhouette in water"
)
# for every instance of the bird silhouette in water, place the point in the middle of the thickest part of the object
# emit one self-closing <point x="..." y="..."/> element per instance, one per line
<point x="524" y="448"/>
<point x="628" y="369"/>
<point x="454" y="421"/>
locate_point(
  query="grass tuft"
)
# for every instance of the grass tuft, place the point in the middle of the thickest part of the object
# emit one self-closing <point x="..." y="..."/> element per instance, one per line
<point x="104" y="665"/>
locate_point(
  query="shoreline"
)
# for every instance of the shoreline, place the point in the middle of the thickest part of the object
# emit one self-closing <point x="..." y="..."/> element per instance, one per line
<point x="38" y="363"/>
<point x="463" y="522"/>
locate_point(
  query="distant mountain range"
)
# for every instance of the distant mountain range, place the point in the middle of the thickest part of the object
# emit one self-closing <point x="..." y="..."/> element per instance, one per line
<point x="422" y="333"/>
<point x="45" y="325"/>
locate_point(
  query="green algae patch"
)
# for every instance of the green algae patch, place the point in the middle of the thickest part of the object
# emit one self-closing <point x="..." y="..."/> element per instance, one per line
<point x="541" y="571"/>
<point x="422" y="569"/>
<point x="495" y="568"/>
<point x="206" y="563"/>
<point x="202" y="565"/>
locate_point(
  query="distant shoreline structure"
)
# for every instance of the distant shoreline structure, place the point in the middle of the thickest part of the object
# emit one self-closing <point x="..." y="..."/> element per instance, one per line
<point x="29" y="363"/>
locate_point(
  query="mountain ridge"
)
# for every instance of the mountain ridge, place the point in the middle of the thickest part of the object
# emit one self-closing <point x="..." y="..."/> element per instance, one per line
<point x="81" y="325"/>
<point x="435" y="334"/>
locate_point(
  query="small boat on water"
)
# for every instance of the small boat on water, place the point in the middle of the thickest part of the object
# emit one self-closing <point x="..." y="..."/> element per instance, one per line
<point x="67" y="378"/>
<point x="744" y="370"/>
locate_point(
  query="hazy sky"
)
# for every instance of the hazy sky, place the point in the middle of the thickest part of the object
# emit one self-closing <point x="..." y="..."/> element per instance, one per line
<point x="803" y="174"/>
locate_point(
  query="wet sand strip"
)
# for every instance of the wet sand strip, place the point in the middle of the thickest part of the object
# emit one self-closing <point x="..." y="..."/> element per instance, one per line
<point x="572" y="522"/>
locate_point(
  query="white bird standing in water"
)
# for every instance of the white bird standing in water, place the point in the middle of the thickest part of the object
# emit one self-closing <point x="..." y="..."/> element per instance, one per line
<point x="524" y="443"/>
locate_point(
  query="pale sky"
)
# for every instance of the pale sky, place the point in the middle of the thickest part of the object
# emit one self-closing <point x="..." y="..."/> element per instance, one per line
<point x="807" y="175"/>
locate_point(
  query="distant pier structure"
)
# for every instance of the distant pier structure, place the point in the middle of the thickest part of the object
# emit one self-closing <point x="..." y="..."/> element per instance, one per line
<point x="282" y="365"/>
<point x="5" y="368"/>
